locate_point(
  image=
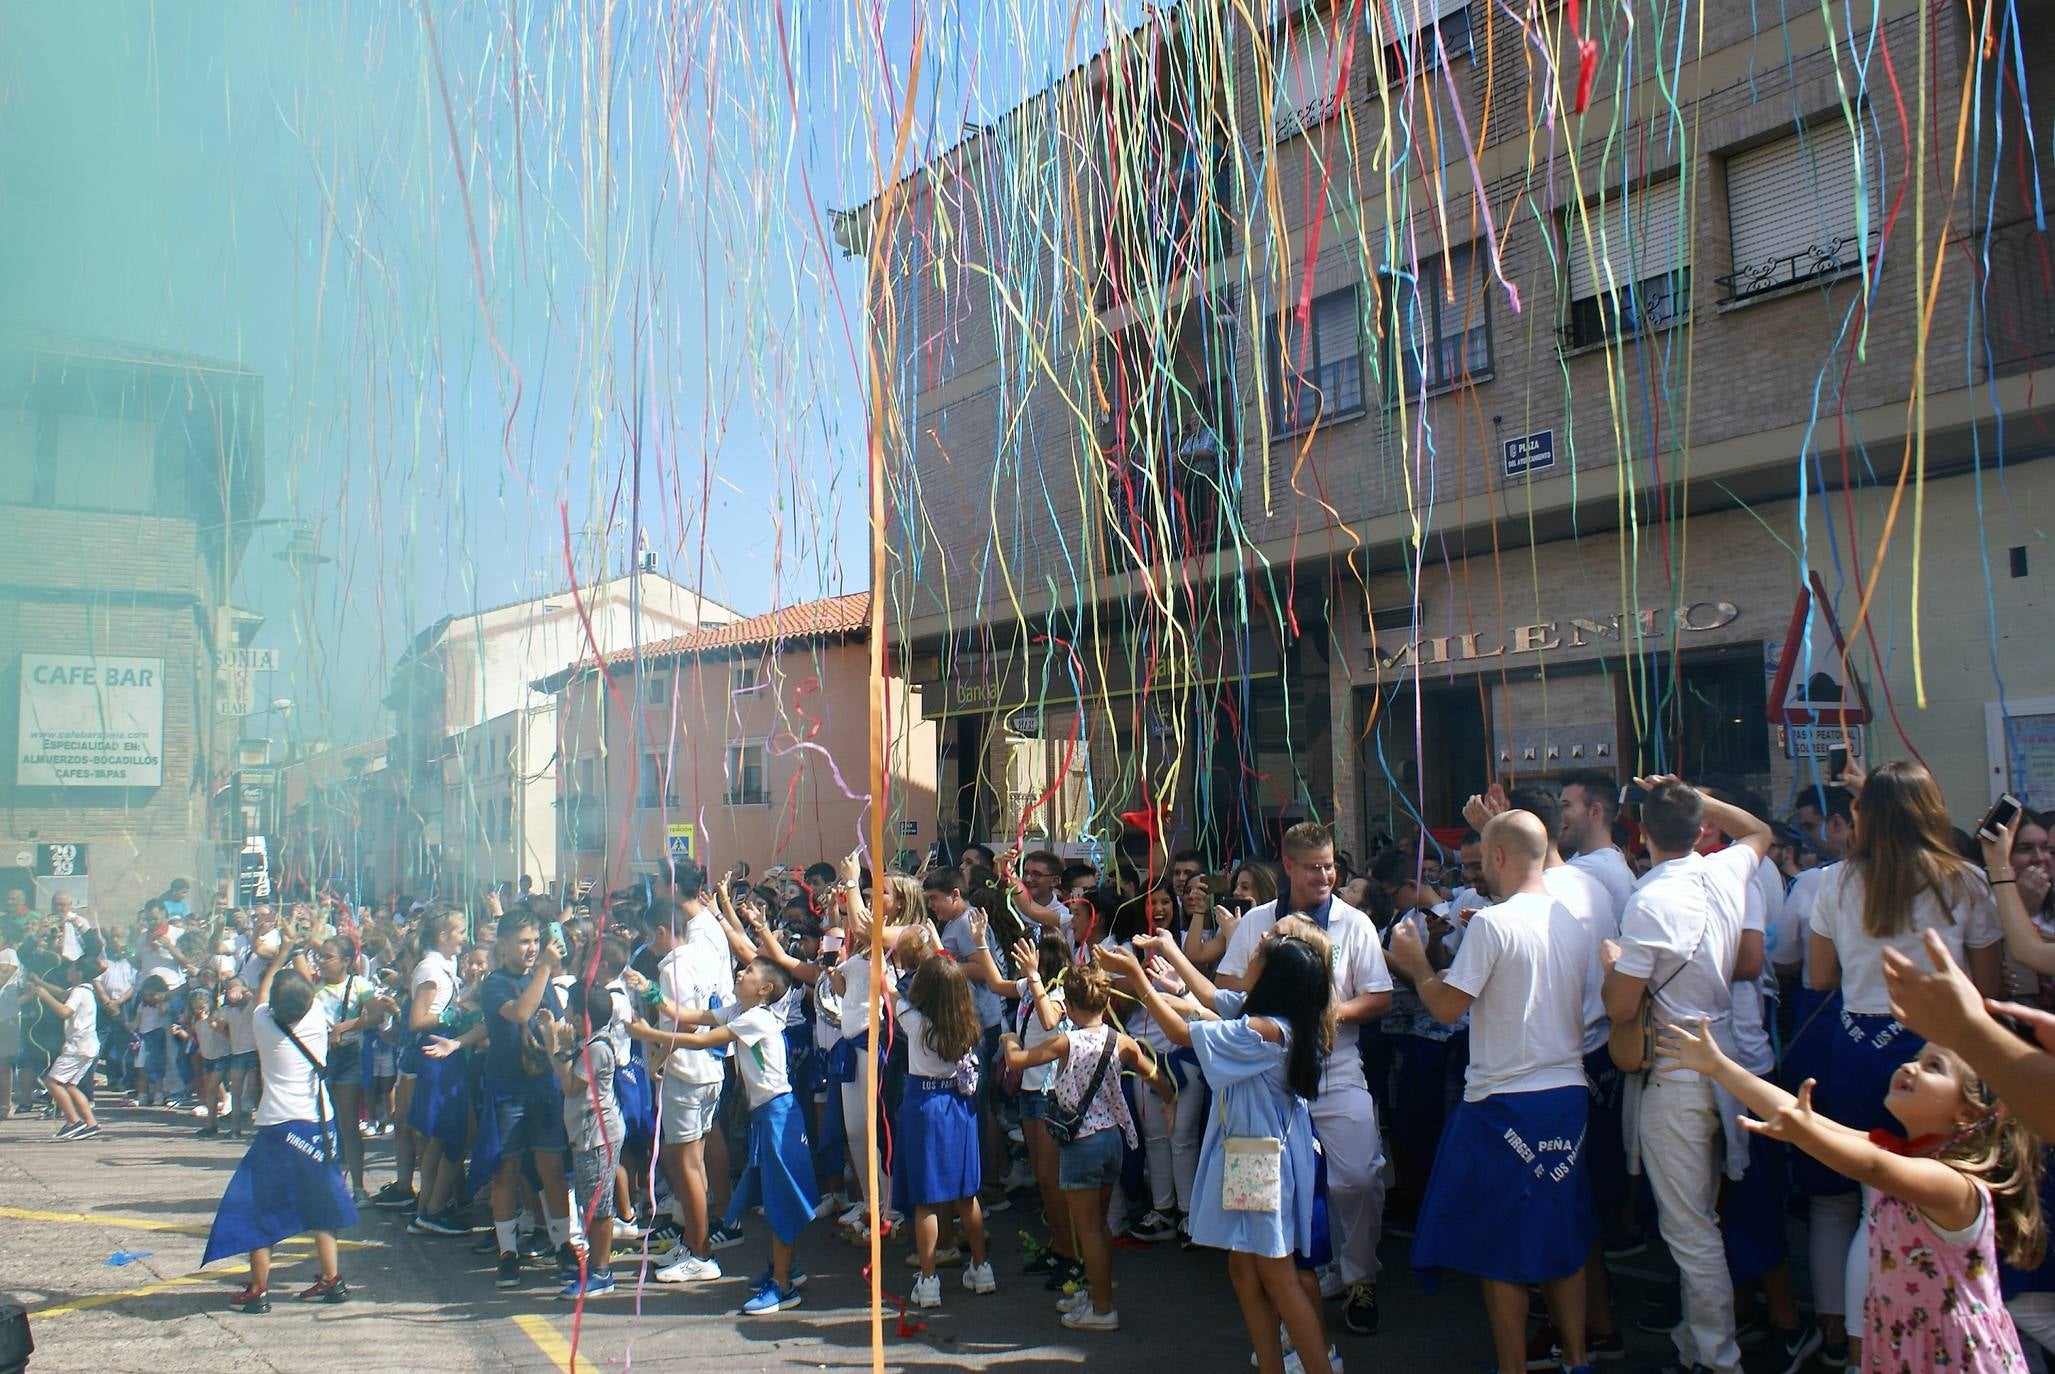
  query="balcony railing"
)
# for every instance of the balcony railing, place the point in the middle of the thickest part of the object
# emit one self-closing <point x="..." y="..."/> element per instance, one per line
<point x="2018" y="300"/>
<point x="1652" y="303"/>
<point x="1830" y="259"/>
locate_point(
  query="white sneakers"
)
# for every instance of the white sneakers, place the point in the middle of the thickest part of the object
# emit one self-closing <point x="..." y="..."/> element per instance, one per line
<point x="927" y="1291"/>
<point x="691" y="1269"/>
<point x="1081" y="1317"/>
<point x="978" y="1278"/>
<point x="1294" y="1365"/>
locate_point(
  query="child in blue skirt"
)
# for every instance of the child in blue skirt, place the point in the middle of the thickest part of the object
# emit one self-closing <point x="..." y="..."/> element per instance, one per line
<point x="1263" y="1063"/>
<point x="779" y="1174"/>
<point x="290" y="1182"/>
<point x="938" y="1163"/>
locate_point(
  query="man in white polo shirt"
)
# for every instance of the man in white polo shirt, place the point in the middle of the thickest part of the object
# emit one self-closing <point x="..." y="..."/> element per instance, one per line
<point x="1508" y="1200"/>
<point x="1344" y="1116"/>
<point x="1679" y="939"/>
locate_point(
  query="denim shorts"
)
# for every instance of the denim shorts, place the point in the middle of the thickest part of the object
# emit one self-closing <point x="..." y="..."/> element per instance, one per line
<point x="246" y="1062"/>
<point x="530" y="1116"/>
<point x="217" y="1066"/>
<point x="1090" y="1161"/>
<point x="1034" y="1104"/>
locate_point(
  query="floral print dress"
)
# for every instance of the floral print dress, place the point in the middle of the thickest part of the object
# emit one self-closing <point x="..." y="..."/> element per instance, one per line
<point x="1933" y="1299"/>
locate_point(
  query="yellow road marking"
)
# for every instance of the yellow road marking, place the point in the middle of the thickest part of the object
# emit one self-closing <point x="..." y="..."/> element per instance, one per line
<point x="553" y="1346"/>
<point x="121" y="1223"/>
<point x="278" y="1257"/>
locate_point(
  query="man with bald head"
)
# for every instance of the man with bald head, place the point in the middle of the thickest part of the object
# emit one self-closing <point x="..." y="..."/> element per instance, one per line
<point x="1509" y="1200"/>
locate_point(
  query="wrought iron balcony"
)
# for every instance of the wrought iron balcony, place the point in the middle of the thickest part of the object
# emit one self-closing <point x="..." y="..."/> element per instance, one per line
<point x="1652" y="303"/>
<point x="1829" y="259"/>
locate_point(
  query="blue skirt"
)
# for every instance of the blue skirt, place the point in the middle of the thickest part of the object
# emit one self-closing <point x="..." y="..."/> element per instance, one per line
<point x="779" y="1175"/>
<point x="1752" y="1212"/>
<point x="1866" y="1051"/>
<point x="633" y="1091"/>
<point x="289" y="1183"/>
<point x="441" y="1105"/>
<point x="1815" y="1025"/>
<point x="936" y="1140"/>
<point x="1509" y="1198"/>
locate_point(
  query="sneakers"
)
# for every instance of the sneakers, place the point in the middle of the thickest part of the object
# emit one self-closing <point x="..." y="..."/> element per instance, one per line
<point x="86" y="1132"/>
<point x="1834" y="1354"/>
<point x="251" y="1301"/>
<point x="509" y="1273"/>
<point x="994" y="1200"/>
<point x="768" y="1279"/>
<point x="1331" y="1285"/>
<point x="1155" y="1228"/>
<point x="669" y="1255"/>
<point x="1785" y="1352"/>
<point x="691" y="1269"/>
<point x="535" y="1244"/>
<point x="978" y="1278"/>
<point x="854" y="1215"/>
<point x="1083" y="1318"/>
<point x="393" y="1196"/>
<point x="1083" y="1297"/>
<point x="569" y="1261"/>
<point x="443" y="1223"/>
<point x="1359" y="1311"/>
<point x="1294" y="1365"/>
<point x="326" y="1290"/>
<point x="947" y="1257"/>
<point x="771" y="1298"/>
<point x="927" y="1291"/>
<point x="724" y="1237"/>
<point x="68" y="1130"/>
<point x="1545" y="1348"/>
<point x="1661" y="1312"/>
<point x="595" y="1285"/>
<point x="1066" y="1279"/>
<point x="1048" y="1262"/>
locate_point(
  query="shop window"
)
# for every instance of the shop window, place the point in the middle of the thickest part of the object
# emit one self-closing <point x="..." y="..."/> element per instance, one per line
<point x="1711" y="714"/>
<point x="1438" y="324"/>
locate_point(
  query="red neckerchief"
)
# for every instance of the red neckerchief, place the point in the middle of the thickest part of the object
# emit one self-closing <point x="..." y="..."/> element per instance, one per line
<point x="1920" y="1147"/>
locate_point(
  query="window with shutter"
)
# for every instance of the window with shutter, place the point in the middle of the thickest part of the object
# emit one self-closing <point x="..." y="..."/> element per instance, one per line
<point x="1798" y="209"/>
<point x="1319" y="373"/>
<point x="1308" y="68"/>
<point x="1417" y="34"/>
<point x="1627" y="262"/>
<point x="1437" y="337"/>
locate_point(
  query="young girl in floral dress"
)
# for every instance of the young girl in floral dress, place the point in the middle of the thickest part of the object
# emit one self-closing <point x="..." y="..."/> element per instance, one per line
<point x="1943" y="1205"/>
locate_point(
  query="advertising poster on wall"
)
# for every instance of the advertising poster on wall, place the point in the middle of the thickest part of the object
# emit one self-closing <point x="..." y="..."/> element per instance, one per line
<point x="90" y="721"/>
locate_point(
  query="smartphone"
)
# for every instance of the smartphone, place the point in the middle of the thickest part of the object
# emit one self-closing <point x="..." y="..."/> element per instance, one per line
<point x="1631" y="795"/>
<point x="2004" y="811"/>
<point x="556" y="936"/>
<point x="1837" y="762"/>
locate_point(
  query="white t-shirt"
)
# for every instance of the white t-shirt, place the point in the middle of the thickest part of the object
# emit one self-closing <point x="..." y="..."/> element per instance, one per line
<point x="1837" y="915"/>
<point x="856" y="995"/>
<point x="1794" y="935"/>
<point x="1610" y="867"/>
<point x="1765" y="901"/>
<point x="690" y="984"/>
<point x="292" y="1090"/>
<point x="1358" y="968"/>
<point x="118" y="980"/>
<point x="214" y="1044"/>
<point x="81" y="1022"/>
<point x="1526" y="962"/>
<point x="1681" y="931"/>
<point x="760" y="1033"/>
<point x="436" y="970"/>
<point x="921" y="1059"/>
<point x="1585" y="897"/>
<point x="151" y="960"/>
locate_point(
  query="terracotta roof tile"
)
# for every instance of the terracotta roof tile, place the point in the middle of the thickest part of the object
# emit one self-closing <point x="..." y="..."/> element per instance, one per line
<point x="806" y="620"/>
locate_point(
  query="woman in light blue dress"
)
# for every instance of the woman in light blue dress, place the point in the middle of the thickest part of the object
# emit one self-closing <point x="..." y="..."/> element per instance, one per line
<point x="1261" y="1054"/>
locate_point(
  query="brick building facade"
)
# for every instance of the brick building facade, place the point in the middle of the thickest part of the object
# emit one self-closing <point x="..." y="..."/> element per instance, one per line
<point x="1225" y="353"/>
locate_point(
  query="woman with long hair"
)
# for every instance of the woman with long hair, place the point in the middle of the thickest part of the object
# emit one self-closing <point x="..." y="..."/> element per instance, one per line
<point x="1901" y="877"/>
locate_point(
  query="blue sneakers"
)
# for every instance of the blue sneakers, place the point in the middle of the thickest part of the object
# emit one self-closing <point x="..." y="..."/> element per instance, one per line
<point x="596" y="1285"/>
<point x="769" y="1277"/>
<point x="771" y="1298"/>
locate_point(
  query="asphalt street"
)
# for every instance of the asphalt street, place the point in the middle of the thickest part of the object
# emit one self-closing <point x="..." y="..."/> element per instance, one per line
<point x="68" y="1209"/>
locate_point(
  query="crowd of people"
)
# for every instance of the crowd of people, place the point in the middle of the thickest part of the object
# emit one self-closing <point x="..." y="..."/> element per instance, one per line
<point x="1813" y="1057"/>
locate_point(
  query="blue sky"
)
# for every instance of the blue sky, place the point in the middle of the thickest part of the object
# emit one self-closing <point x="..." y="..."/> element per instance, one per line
<point x="526" y="271"/>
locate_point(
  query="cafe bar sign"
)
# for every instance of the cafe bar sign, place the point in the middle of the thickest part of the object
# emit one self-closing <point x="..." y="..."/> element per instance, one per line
<point x="1545" y="635"/>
